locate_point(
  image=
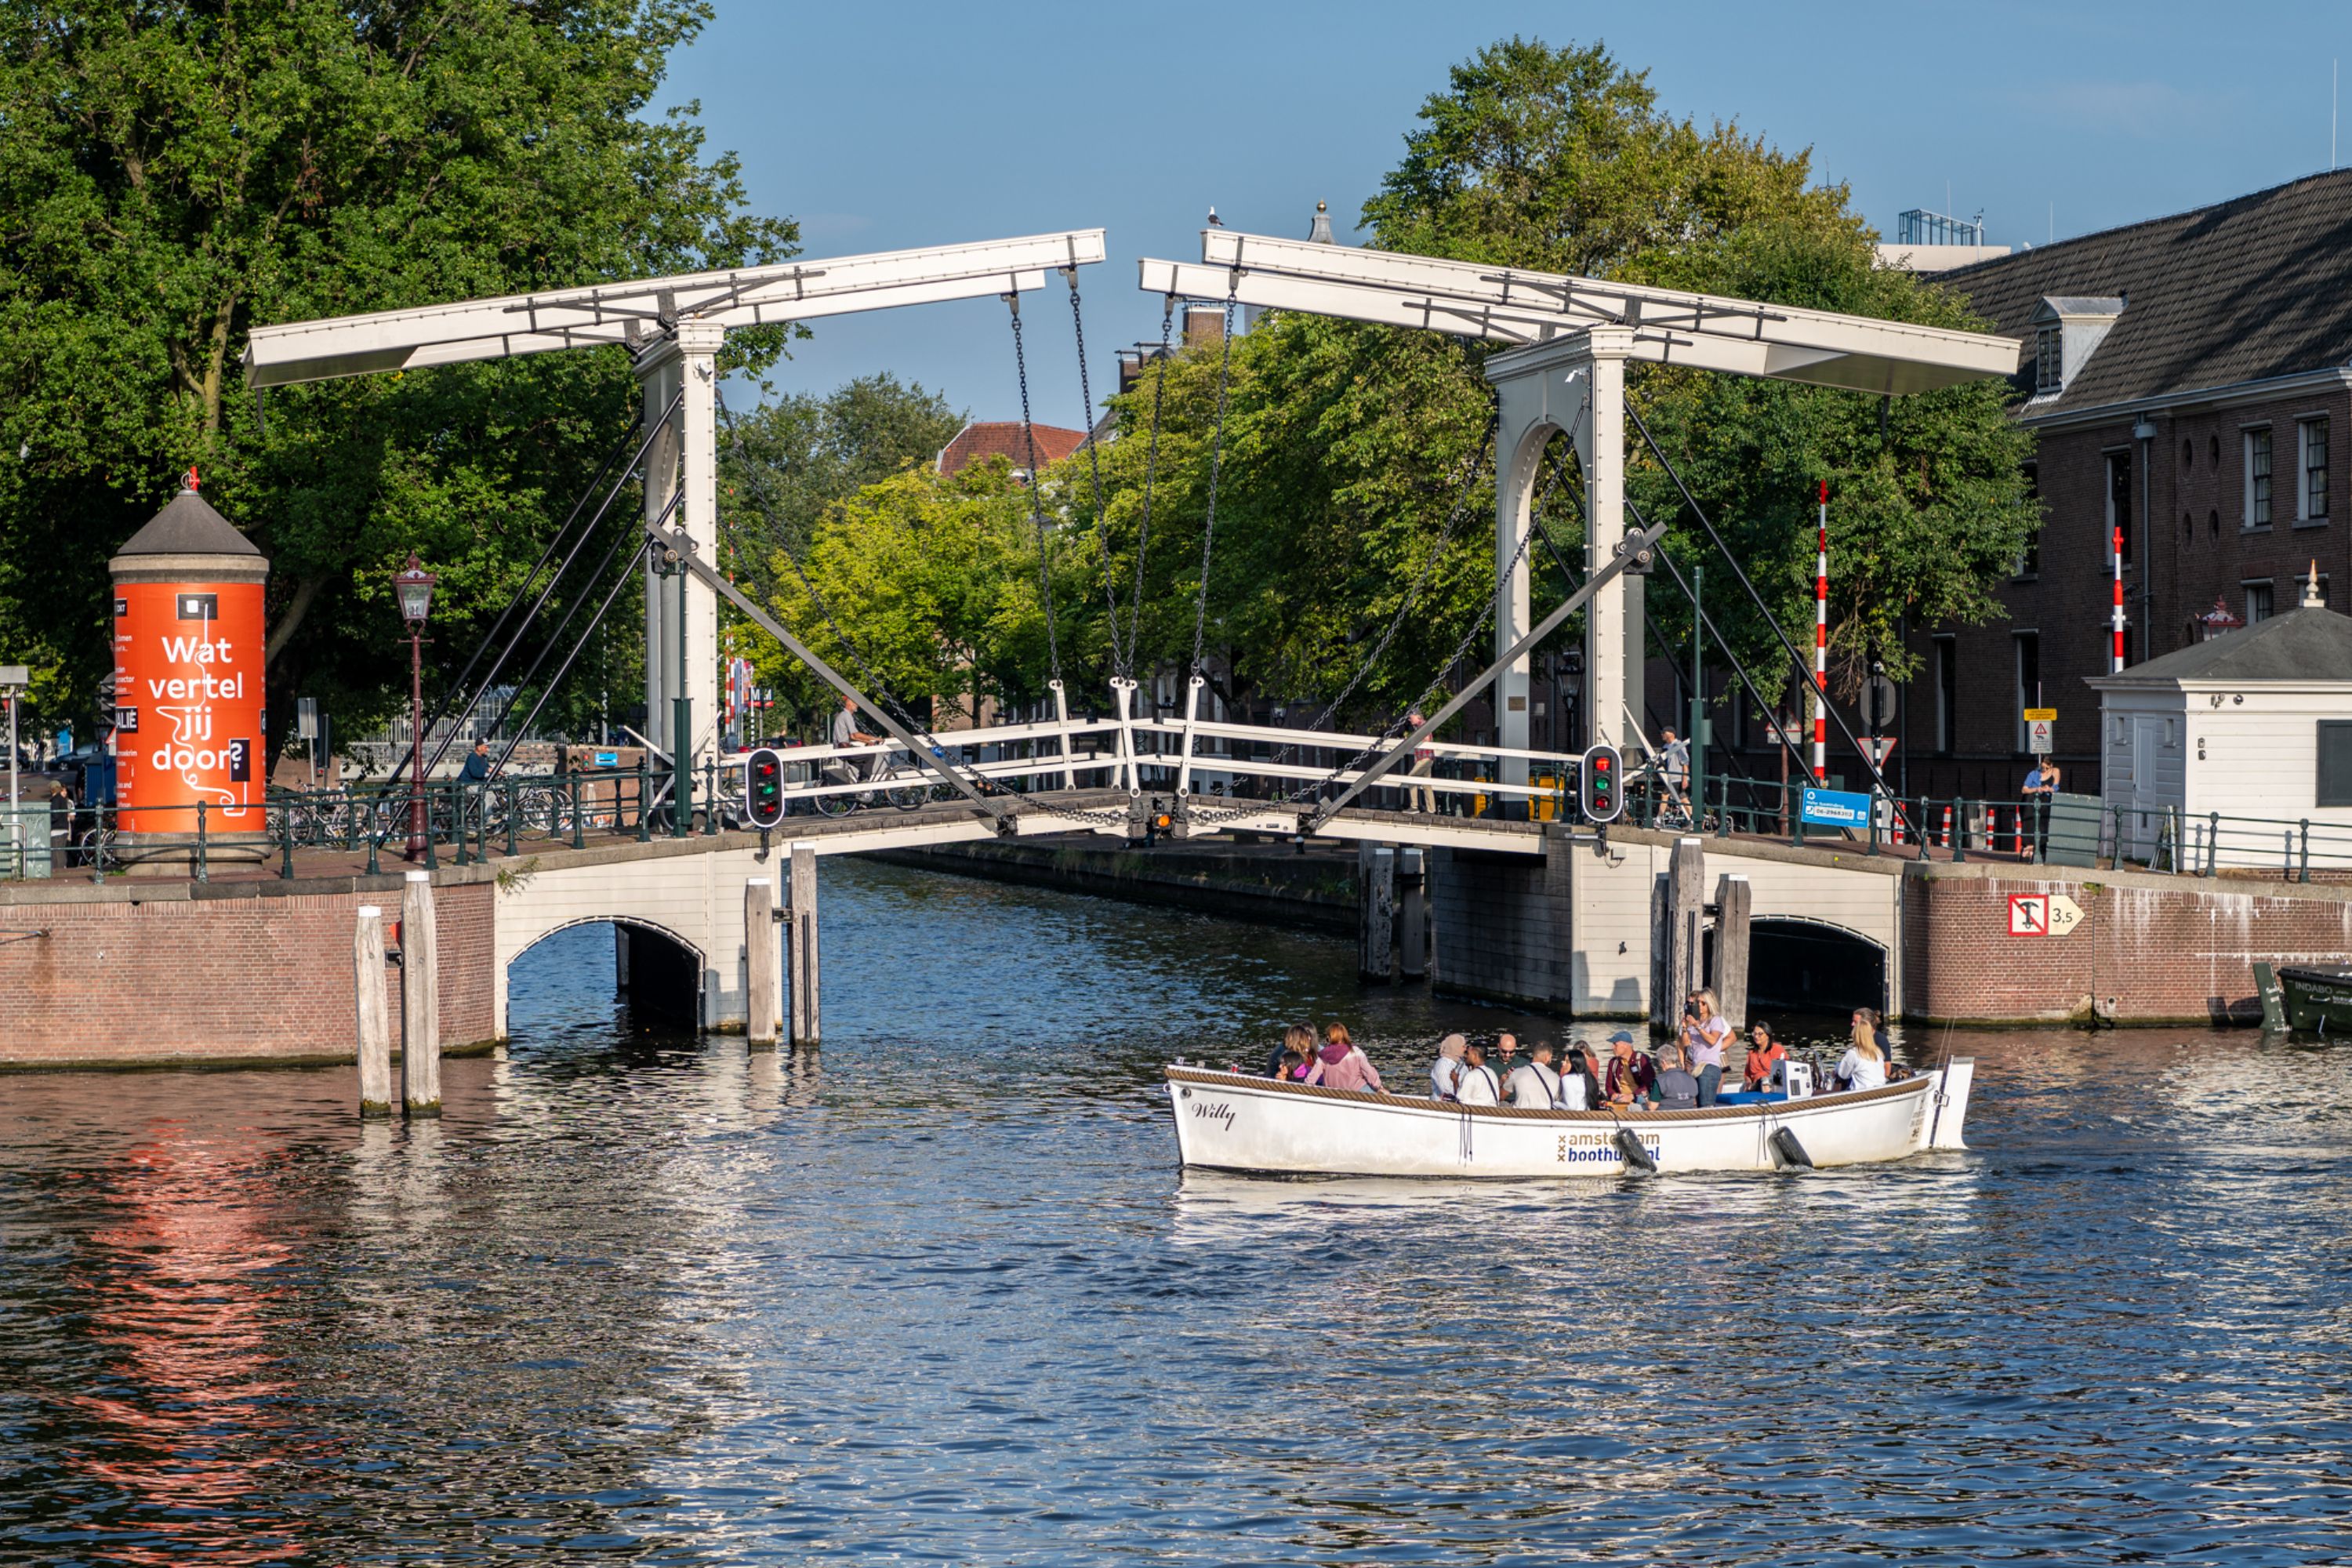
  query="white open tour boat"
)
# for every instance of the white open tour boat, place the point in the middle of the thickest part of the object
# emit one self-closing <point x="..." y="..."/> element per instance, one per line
<point x="1232" y="1121"/>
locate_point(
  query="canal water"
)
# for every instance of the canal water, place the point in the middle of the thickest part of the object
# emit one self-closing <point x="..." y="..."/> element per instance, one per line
<point x="939" y="1296"/>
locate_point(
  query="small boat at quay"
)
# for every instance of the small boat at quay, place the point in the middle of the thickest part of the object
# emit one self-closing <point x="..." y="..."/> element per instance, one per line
<point x="1233" y="1122"/>
<point x="2313" y="1000"/>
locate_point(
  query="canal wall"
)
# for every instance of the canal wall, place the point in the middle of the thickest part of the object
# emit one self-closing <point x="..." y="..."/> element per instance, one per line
<point x="150" y="972"/>
<point x="1269" y="883"/>
<point x="1574" y="930"/>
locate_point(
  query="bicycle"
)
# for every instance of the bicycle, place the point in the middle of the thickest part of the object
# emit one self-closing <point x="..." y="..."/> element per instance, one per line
<point x="889" y="782"/>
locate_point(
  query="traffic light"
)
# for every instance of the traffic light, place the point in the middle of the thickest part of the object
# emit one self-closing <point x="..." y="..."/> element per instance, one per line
<point x="764" y="787"/>
<point x="1599" y="781"/>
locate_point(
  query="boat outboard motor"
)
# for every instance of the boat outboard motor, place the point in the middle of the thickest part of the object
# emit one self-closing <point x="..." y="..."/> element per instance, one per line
<point x="1637" y="1158"/>
<point x="1790" y="1152"/>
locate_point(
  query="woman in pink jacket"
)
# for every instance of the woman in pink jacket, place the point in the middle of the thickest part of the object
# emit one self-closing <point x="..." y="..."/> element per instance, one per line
<point x="1339" y="1064"/>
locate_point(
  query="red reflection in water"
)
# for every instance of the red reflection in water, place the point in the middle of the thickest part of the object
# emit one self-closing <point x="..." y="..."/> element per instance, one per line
<point x="188" y="1446"/>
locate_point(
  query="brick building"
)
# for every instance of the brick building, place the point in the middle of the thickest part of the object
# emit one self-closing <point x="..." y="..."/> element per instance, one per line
<point x="2190" y="379"/>
<point x="985" y="438"/>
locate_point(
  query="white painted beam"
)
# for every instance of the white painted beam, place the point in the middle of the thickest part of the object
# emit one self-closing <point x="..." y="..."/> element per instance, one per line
<point x="614" y="312"/>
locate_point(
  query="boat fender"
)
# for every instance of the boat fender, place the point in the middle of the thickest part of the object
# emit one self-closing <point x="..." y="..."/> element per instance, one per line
<point x="1637" y="1158"/>
<point x="1791" y="1152"/>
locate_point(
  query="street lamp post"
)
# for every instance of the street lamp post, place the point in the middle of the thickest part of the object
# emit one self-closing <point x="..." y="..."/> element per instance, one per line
<point x="414" y="588"/>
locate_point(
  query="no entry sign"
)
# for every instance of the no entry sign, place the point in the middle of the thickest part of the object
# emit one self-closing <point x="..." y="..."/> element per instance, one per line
<point x="2043" y="914"/>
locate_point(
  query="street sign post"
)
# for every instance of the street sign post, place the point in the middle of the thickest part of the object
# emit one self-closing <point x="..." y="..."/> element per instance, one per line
<point x="1836" y="809"/>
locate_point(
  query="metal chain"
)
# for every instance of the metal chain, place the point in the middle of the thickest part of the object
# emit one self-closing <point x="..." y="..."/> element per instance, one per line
<point x="1094" y="464"/>
<point x="1216" y="469"/>
<point x="1036" y="505"/>
<point x="1150" y="472"/>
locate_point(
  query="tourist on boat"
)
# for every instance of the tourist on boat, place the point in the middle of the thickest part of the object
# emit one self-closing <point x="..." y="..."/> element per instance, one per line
<point x="1289" y="1059"/>
<point x="1339" y="1064"/>
<point x="1478" y="1085"/>
<point x="1631" y="1074"/>
<point x="1534" y="1085"/>
<point x="1579" y="1085"/>
<point x="1864" y="1066"/>
<point x="1703" y="1043"/>
<point x="1445" y="1073"/>
<point x="1676" y="1087"/>
<point x="1768" y="1061"/>
<point x="1298" y="1039"/>
<point x="1506" y="1045"/>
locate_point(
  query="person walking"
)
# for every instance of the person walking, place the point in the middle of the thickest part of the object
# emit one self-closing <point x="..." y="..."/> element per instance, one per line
<point x="1425" y="759"/>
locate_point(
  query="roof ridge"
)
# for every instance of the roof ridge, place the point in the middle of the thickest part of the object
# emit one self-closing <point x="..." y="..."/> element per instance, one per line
<point x="2244" y="199"/>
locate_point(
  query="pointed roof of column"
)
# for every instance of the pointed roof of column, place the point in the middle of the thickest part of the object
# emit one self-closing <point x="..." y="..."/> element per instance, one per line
<point x="1320" y="234"/>
<point x="189" y="536"/>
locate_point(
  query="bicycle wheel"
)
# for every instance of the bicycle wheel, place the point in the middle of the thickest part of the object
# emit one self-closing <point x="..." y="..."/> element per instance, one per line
<point x="908" y="796"/>
<point x="834" y="805"/>
<point x="547" y="811"/>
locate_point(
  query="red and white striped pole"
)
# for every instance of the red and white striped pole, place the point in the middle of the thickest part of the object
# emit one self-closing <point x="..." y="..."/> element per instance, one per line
<point x="2118" y="554"/>
<point x="1822" y="645"/>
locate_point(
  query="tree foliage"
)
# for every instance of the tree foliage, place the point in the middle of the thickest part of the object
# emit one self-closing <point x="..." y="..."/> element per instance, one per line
<point x="926" y="586"/>
<point x="1344" y="444"/>
<point x="175" y="174"/>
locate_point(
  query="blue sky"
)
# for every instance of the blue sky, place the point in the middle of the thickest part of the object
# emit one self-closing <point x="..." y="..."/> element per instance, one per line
<point x="880" y="126"/>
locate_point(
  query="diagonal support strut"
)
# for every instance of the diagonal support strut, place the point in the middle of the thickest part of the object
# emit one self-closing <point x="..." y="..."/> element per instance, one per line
<point x="1634" y="546"/>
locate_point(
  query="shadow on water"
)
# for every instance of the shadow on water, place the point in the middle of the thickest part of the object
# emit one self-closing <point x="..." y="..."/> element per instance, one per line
<point x="936" y="1292"/>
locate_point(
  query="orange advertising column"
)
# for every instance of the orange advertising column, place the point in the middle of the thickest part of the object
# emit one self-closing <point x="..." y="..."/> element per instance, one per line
<point x="188" y="702"/>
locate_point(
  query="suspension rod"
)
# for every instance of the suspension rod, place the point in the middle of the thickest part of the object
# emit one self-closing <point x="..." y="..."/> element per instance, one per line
<point x="564" y="669"/>
<point x="522" y="589"/>
<point x="595" y="576"/>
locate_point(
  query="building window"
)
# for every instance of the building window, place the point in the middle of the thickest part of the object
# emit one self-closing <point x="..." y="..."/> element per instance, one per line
<point x="2049" y="359"/>
<point x="2214" y="442"/>
<point x="2258" y="479"/>
<point x="2311" y="442"/>
<point x="2213" y="521"/>
<point x="2258" y="602"/>
<point x="2188" y="529"/>
<point x="2187" y="453"/>
<point x="2335" y="762"/>
<point x="1947" y="696"/>
<point x="2119" y="505"/>
<point x="2029" y="684"/>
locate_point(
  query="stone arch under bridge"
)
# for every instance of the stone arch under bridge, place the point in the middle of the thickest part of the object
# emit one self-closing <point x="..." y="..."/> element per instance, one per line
<point x="1565" y="924"/>
<point x="689" y="893"/>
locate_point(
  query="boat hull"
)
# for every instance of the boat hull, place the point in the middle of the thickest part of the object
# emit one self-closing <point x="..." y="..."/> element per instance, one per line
<point x="1229" y="1121"/>
<point x="2317" y="1001"/>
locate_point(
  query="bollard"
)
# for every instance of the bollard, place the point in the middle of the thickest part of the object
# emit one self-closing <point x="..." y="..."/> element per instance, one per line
<point x="645" y="785"/>
<point x="800" y="946"/>
<point x="1733" y="901"/>
<point x="1375" y="911"/>
<point x="420" y="999"/>
<point x="514" y="809"/>
<point x="2305" y="876"/>
<point x="1412" y="914"/>
<point x="579" y="828"/>
<point x="375" y="1013"/>
<point x="2213" y="843"/>
<point x="286" y="844"/>
<point x="203" y="870"/>
<point x="762" y="974"/>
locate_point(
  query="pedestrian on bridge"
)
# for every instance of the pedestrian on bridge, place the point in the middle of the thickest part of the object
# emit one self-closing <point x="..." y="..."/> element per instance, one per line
<point x="1424" y="758"/>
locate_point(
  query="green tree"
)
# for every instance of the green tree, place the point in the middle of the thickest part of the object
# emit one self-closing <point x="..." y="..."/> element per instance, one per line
<point x="176" y="173"/>
<point x="1344" y="444"/>
<point x="787" y="461"/>
<point x="927" y="586"/>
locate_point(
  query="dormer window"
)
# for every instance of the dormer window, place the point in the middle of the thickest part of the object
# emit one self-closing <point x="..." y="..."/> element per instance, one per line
<point x="2067" y="329"/>
<point x="2049" y="364"/>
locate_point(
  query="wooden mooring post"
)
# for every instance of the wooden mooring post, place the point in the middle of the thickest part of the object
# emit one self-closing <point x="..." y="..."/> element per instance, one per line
<point x="1375" y="913"/>
<point x="420" y="999"/>
<point x="374" y="1009"/>
<point x="800" y="947"/>
<point x="1680" y="923"/>
<point x="1733" y="900"/>
<point x="762" y="974"/>
<point x="1413" y="913"/>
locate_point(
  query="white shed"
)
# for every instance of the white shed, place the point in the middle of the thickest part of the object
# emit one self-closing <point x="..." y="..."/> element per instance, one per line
<point x="2236" y="752"/>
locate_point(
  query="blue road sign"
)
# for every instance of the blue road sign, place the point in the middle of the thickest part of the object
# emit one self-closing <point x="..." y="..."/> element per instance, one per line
<point x="1836" y="809"/>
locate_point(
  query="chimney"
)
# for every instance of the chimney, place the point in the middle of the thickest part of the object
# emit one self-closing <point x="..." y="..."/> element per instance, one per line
<point x="1204" y="326"/>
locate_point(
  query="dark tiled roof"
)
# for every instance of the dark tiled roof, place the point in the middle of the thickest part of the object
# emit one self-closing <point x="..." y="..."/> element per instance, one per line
<point x="188" y="526"/>
<point x="2245" y="291"/>
<point x="2301" y="645"/>
<point x="1001" y="438"/>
